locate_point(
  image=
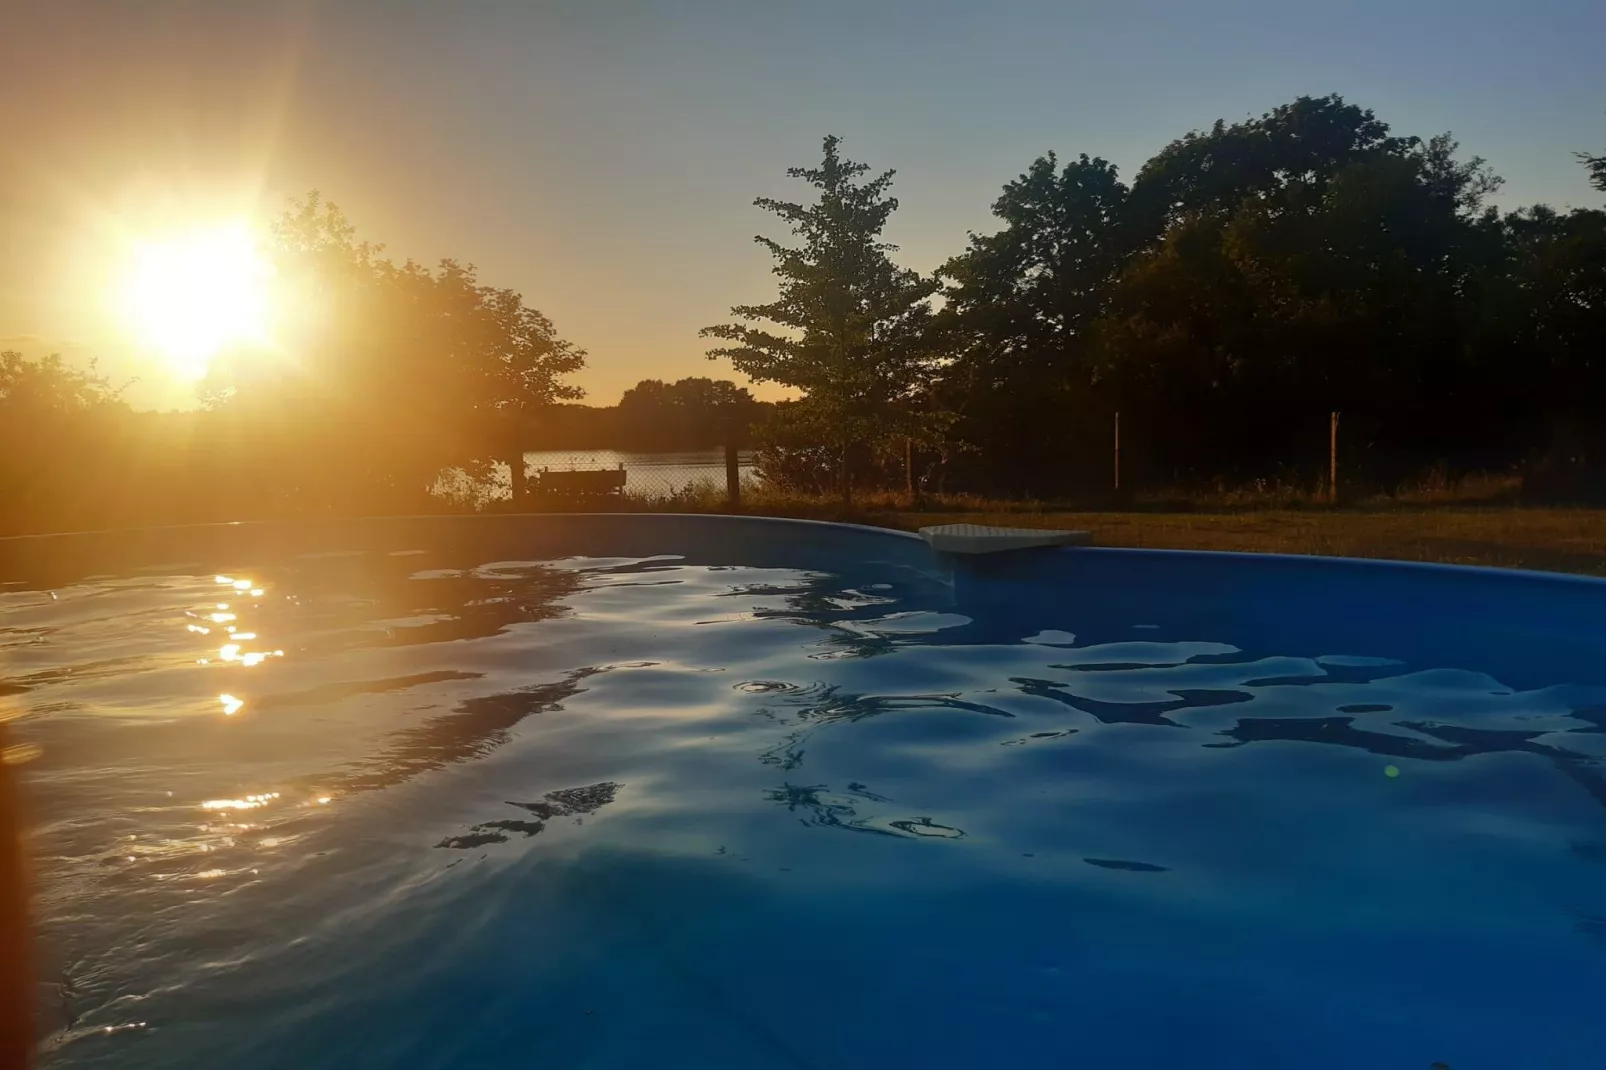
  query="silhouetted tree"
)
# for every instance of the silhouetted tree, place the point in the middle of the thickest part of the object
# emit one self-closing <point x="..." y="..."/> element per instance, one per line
<point x="1339" y="282"/>
<point x="58" y="425"/>
<point x="1290" y="154"/>
<point x="393" y="372"/>
<point x="48" y="387"/>
<point x="1546" y="317"/>
<point x="1254" y="277"/>
<point x="693" y="394"/>
<point x="1018" y="308"/>
<point x="850" y="325"/>
<point x="690" y="413"/>
<point x="1596" y="166"/>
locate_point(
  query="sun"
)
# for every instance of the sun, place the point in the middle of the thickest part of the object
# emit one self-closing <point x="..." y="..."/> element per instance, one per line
<point x="190" y="294"/>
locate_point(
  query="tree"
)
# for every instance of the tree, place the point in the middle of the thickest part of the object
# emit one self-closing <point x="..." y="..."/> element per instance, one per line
<point x="48" y="387"/>
<point x="1596" y="166"/>
<point x="1306" y="261"/>
<point x="694" y="412"/>
<point x="1018" y="306"/>
<point x="1546" y="314"/>
<point x="59" y="427"/>
<point x="698" y="397"/>
<point x="1290" y="153"/>
<point x="850" y="325"/>
<point x="391" y="372"/>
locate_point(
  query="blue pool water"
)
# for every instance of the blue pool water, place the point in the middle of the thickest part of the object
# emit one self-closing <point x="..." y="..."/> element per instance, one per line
<point x="674" y="795"/>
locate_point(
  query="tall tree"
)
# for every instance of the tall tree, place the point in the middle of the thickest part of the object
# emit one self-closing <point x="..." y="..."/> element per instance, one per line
<point x="1546" y="314"/>
<point x="1289" y="154"/>
<point x="1018" y="305"/>
<point x="849" y="324"/>
<point x="1306" y="261"/>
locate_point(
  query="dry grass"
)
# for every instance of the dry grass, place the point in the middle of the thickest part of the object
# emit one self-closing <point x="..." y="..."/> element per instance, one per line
<point x="1433" y="487"/>
<point x="1429" y="523"/>
<point x="1564" y="540"/>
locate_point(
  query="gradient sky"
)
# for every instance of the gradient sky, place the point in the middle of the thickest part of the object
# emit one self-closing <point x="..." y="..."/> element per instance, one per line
<point x="601" y="157"/>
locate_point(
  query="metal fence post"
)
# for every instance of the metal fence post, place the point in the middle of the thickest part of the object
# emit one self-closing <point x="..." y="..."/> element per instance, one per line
<point x="1332" y="459"/>
<point x="909" y="469"/>
<point x="1117" y="449"/>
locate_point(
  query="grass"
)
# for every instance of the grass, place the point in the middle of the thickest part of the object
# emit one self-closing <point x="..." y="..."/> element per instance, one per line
<point x="1472" y="522"/>
<point x="1467" y="521"/>
<point x="1425" y="524"/>
<point x="1561" y="540"/>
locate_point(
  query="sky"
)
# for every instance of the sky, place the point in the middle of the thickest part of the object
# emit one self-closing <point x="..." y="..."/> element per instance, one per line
<point x="602" y="156"/>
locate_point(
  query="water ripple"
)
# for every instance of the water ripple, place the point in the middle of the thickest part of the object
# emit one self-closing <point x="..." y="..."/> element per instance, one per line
<point x="562" y="806"/>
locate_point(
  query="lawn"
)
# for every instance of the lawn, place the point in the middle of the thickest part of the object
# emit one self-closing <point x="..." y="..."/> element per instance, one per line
<point x="1562" y="540"/>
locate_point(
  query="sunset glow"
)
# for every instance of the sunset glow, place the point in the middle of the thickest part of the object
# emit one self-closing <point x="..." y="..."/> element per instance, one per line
<point x="188" y="295"/>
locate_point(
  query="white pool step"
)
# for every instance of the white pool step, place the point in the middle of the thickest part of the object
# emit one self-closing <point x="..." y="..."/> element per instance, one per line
<point x="988" y="539"/>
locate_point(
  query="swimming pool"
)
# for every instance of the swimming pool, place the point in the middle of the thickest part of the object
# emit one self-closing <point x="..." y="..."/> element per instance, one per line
<point x="731" y="793"/>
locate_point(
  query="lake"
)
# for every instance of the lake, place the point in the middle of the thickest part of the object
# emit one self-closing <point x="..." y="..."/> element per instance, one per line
<point x="647" y="473"/>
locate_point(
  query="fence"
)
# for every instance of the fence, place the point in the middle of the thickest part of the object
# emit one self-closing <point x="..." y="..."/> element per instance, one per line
<point x="140" y="471"/>
<point x="1329" y="490"/>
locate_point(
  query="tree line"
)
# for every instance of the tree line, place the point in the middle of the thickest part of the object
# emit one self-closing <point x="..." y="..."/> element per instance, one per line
<point x="694" y="413"/>
<point x="388" y="378"/>
<point x="1250" y="280"/>
<point x="394" y="388"/>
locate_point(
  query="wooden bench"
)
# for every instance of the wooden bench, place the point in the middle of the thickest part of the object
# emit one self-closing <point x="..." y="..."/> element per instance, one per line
<point x="578" y="482"/>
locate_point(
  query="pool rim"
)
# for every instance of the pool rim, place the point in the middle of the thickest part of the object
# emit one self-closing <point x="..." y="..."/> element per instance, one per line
<point x="86" y="540"/>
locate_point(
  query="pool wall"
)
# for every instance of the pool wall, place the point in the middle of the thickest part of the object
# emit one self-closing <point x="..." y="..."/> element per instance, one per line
<point x="758" y="541"/>
<point x="1314" y="605"/>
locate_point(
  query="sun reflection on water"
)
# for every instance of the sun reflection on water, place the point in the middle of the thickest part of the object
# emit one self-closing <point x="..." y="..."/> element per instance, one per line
<point x="233" y="651"/>
<point x="250" y="802"/>
<point x="242" y="585"/>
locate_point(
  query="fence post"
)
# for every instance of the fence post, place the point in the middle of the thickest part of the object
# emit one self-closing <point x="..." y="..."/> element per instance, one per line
<point x="909" y="469"/>
<point x="733" y="472"/>
<point x="1332" y="459"/>
<point x="1117" y="449"/>
<point x="518" y="480"/>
